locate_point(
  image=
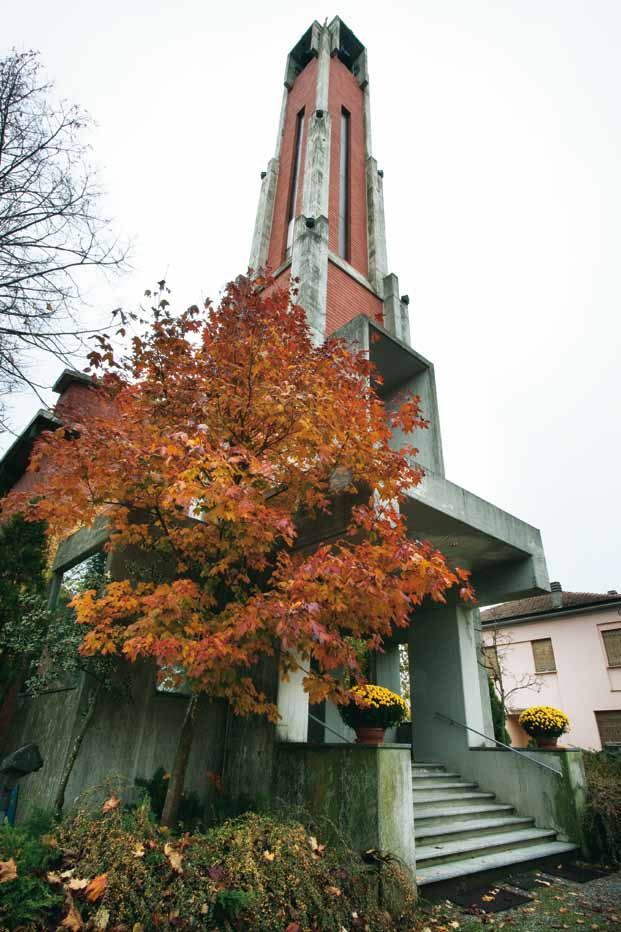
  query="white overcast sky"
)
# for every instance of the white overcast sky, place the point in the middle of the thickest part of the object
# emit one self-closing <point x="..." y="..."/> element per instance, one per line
<point x="498" y="126"/>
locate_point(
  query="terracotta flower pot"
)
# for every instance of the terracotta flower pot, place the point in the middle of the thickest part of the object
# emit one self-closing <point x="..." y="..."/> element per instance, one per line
<point x="369" y="734"/>
<point x="547" y="741"/>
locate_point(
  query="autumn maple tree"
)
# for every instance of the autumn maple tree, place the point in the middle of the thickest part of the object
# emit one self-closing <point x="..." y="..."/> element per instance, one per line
<point x="223" y="434"/>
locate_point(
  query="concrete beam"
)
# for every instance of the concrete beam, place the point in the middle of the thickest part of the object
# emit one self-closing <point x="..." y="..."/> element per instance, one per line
<point x="81" y="545"/>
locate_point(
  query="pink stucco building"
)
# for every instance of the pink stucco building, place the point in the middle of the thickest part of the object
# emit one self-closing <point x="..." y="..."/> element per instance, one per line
<point x="561" y="649"/>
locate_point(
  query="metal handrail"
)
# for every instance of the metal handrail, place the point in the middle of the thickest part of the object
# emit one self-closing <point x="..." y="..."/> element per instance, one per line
<point x="323" y="724"/>
<point x="520" y="754"/>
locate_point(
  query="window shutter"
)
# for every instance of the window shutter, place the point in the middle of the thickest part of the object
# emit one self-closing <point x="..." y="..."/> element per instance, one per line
<point x="612" y="644"/>
<point x="609" y="726"/>
<point x="543" y="656"/>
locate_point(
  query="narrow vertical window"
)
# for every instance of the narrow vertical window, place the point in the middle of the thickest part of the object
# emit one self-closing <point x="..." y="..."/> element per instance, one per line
<point x="295" y="177"/>
<point x="344" y="186"/>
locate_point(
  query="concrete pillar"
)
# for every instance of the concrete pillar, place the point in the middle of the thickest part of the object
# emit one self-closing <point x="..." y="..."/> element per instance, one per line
<point x="317" y="165"/>
<point x="387" y="668"/>
<point x="293" y="707"/>
<point x="323" y="71"/>
<point x="378" y="260"/>
<point x="309" y="263"/>
<point x="396" y="316"/>
<point x="265" y="214"/>
<point x="388" y="674"/>
<point x="444" y="671"/>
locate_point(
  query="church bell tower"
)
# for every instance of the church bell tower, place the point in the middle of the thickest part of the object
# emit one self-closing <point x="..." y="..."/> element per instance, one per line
<point x="321" y="208"/>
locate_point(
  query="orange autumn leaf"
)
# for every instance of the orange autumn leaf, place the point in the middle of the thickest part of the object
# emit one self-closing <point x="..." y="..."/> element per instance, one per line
<point x="8" y="870"/>
<point x="111" y="804"/>
<point x="96" y="888"/>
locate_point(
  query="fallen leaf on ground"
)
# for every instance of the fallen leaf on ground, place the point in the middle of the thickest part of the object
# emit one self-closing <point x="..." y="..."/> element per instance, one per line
<point x="110" y="804"/>
<point x="49" y="840"/>
<point x="174" y="857"/>
<point x="268" y="856"/>
<point x="138" y="851"/>
<point x="8" y="870"/>
<point x="96" y="887"/>
<point x="73" y="919"/>
<point x="53" y="877"/>
<point x="101" y="919"/>
<point x="77" y="884"/>
<point x="316" y="848"/>
<point x="333" y="891"/>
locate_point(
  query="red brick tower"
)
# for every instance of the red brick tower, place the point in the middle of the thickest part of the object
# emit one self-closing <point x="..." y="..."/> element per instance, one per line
<point x="321" y="209"/>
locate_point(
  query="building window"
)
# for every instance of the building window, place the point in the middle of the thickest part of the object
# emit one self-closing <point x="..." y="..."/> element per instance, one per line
<point x="609" y="726"/>
<point x="612" y="646"/>
<point x="295" y="178"/>
<point x="492" y="664"/>
<point x="543" y="655"/>
<point x="344" y="184"/>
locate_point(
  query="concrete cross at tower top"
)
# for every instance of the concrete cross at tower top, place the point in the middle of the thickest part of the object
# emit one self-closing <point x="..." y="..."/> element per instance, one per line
<point x="321" y="209"/>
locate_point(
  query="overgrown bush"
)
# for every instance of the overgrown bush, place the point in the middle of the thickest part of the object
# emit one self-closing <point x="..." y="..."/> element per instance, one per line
<point x="32" y="849"/>
<point x="602" y="820"/>
<point x="251" y="874"/>
<point x="190" y="810"/>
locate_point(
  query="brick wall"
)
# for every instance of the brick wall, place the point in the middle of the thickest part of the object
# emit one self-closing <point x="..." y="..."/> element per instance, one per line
<point x="347" y="298"/>
<point x="302" y="94"/>
<point x="345" y="92"/>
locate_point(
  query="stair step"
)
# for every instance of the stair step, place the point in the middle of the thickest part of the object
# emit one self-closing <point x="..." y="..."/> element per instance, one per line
<point x="451" y="799"/>
<point x="448" y="871"/>
<point x="430" y="779"/>
<point x="434" y="764"/>
<point x="473" y="847"/>
<point x="469" y="827"/>
<point x="437" y="815"/>
<point x="451" y="785"/>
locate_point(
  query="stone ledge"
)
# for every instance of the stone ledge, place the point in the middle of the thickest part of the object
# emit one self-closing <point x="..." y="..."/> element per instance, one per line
<point x="343" y="746"/>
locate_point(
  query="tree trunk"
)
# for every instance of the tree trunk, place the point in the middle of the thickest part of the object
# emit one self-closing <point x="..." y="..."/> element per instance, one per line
<point x="59" y="802"/>
<point x="176" y="783"/>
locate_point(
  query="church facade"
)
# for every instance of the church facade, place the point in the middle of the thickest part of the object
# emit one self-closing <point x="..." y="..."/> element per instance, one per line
<point x="320" y="219"/>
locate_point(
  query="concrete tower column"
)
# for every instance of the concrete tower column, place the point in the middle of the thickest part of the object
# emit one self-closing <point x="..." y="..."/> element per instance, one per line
<point x="445" y="676"/>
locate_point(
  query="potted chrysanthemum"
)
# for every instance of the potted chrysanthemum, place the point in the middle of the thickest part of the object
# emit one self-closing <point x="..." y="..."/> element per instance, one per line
<point x="545" y="724"/>
<point x="371" y="711"/>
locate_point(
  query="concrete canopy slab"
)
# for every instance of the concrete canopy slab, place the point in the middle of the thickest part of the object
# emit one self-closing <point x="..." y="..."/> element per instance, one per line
<point x="504" y="554"/>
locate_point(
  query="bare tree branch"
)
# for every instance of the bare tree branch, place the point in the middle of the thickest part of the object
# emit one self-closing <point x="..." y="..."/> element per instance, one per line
<point x="51" y="227"/>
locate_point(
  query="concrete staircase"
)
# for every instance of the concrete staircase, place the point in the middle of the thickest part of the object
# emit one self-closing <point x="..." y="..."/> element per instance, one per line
<point x="461" y="831"/>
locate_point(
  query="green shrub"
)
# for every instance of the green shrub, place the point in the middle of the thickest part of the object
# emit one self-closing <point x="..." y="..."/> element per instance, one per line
<point x="190" y="810"/>
<point x="498" y="714"/>
<point x="29" y="897"/>
<point x="251" y="873"/>
<point x="602" y="819"/>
